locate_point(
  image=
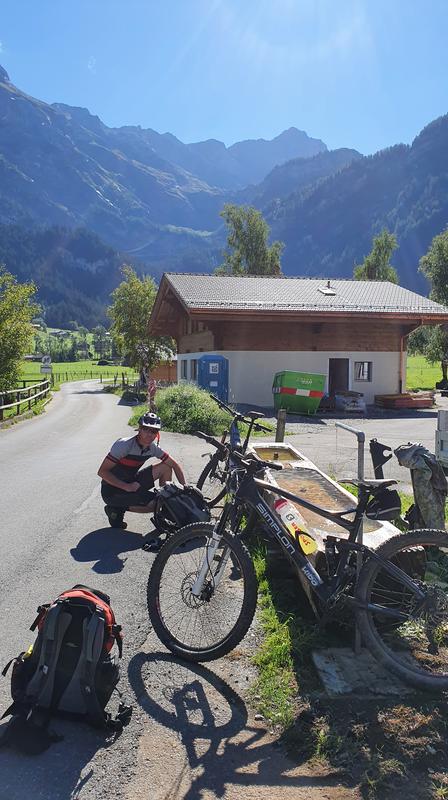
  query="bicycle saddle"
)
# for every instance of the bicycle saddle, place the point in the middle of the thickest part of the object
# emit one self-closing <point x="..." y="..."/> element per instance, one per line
<point x="371" y="484"/>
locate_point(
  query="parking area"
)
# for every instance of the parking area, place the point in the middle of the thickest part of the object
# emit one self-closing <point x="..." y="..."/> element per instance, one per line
<point x="335" y="450"/>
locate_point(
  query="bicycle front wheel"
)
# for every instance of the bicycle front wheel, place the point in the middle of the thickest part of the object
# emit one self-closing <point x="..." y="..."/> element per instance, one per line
<point x="207" y="627"/>
<point x="412" y="641"/>
<point x="211" y="482"/>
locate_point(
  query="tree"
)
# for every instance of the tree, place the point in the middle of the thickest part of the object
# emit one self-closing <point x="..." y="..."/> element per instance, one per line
<point x="248" y="251"/>
<point x="376" y="266"/>
<point x="437" y="350"/>
<point x="101" y="343"/>
<point x="418" y="340"/>
<point x="16" y="331"/>
<point x="132" y="304"/>
<point x="434" y="264"/>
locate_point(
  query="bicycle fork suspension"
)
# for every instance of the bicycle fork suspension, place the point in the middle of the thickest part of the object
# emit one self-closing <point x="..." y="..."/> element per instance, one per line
<point x="206" y="568"/>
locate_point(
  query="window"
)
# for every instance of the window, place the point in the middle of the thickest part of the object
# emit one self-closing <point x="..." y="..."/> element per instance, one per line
<point x="363" y="370"/>
<point x="194" y="369"/>
<point x="184" y="369"/>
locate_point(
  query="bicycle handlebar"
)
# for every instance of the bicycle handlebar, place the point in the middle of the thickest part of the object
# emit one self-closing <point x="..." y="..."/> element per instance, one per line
<point x="211" y="440"/>
<point x="259" y="427"/>
<point x="240" y="417"/>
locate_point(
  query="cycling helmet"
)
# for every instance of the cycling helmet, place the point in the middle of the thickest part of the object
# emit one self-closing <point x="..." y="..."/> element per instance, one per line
<point x="150" y="420"/>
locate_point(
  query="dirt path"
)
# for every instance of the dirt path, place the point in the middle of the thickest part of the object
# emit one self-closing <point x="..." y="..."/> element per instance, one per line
<point x="200" y="739"/>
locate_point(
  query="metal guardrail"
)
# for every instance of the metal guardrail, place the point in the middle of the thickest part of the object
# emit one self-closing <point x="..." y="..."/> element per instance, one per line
<point x="32" y="394"/>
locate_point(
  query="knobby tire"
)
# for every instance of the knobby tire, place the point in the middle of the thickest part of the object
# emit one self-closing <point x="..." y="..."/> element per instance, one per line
<point x="371" y="580"/>
<point x="239" y="559"/>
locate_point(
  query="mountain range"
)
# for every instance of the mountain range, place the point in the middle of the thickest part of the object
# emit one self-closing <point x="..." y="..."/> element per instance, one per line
<point x="150" y="199"/>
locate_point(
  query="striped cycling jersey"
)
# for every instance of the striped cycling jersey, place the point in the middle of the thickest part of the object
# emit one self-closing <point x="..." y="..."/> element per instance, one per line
<point x="128" y="456"/>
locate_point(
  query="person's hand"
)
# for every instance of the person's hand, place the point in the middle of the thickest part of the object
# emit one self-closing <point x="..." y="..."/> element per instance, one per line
<point x="133" y="487"/>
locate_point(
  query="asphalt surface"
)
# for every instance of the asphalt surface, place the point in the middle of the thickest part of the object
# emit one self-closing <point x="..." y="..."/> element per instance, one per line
<point x="54" y="534"/>
<point x="191" y="735"/>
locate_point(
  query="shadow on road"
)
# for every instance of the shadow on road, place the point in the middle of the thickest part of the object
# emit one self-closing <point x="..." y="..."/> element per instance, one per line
<point x="211" y="720"/>
<point x="57" y="773"/>
<point x="106" y="546"/>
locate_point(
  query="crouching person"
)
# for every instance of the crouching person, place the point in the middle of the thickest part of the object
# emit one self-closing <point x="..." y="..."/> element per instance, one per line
<point x="126" y="484"/>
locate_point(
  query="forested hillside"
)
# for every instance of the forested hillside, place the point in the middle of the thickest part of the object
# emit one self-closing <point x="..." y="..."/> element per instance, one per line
<point x="73" y="270"/>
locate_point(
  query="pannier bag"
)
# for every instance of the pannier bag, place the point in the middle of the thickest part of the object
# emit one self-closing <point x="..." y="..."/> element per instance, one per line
<point x="179" y="506"/>
<point x="70" y="669"/>
<point x="384" y="505"/>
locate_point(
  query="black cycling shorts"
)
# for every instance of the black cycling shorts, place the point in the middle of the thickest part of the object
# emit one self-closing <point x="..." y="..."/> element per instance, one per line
<point x="118" y="498"/>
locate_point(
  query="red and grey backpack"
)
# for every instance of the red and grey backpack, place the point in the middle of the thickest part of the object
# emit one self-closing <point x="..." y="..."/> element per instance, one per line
<point x="70" y="669"/>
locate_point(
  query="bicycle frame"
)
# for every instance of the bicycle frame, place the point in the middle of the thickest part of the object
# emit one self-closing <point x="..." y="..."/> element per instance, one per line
<point x="248" y="493"/>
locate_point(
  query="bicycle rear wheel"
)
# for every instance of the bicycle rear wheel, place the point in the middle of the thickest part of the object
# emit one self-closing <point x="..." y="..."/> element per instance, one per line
<point x="211" y="482"/>
<point x="207" y="627"/>
<point x="414" y="646"/>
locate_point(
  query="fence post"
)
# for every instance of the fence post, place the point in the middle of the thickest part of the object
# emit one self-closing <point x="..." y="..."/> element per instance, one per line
<point x="18" y="402"/>
<point x="281" y="422"/>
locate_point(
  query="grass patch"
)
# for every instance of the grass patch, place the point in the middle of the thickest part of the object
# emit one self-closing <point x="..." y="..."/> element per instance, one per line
<point x="274" y="690"/>
<point x="420" y="374"/>
<point x="288" y="638"/>
<point x="75" y="370"/>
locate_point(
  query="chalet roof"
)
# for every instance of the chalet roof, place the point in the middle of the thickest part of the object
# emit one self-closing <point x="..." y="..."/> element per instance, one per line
<point x="257" y="293"/>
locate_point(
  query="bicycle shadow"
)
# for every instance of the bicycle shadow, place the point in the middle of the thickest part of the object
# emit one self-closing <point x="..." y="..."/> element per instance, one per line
<point x="107" y="548"/>
<point x="220" y="747"/>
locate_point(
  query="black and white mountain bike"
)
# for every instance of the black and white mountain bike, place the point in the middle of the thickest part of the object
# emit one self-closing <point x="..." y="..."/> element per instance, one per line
<point x="202" y="589"/>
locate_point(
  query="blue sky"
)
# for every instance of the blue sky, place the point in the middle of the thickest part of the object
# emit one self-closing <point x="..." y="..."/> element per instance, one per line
<point x="355" y="73"/>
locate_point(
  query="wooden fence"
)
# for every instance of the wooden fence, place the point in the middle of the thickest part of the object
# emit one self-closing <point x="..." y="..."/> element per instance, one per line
<point x="26" y="395"/>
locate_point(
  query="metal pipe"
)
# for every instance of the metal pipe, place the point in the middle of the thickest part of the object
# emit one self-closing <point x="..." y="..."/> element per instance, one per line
<point x="361" y="437"/>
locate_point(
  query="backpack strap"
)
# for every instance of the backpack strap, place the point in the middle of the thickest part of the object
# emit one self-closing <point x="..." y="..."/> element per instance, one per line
<point x="41" y="685"/>
<point x="88" y="660"/>
<point x="41" y="611"/>
<point x="118" y="636"/>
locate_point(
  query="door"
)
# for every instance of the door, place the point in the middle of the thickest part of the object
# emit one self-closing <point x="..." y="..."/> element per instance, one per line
<point x="338" y="375"/>
<point x="213" y="375"/>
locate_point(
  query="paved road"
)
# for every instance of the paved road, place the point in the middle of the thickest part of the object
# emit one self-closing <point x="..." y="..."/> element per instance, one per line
<point x="53" y="535"/>
<point x="191" y="735"/>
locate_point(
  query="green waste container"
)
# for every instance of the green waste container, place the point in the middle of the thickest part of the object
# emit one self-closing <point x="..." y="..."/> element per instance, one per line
<point x="299" y="392"/>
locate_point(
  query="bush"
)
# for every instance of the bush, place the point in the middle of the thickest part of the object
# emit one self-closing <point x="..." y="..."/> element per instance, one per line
<point x="186" y="408"/>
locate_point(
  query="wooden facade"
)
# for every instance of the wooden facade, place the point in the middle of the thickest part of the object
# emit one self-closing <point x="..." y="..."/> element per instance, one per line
<point x="205" y="331"/>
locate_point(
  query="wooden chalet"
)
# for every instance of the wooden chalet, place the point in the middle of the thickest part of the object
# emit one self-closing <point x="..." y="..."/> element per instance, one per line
<point x="354" y="332"/>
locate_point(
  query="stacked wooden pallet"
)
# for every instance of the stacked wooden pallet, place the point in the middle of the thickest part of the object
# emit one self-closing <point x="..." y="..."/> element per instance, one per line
<point x="406" y="400"/>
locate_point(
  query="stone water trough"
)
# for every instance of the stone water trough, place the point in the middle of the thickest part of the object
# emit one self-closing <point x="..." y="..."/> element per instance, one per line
<point x="302" y="477"/>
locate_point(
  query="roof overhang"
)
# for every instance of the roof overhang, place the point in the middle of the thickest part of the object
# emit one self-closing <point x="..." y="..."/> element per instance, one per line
<point x="169" y="305"/>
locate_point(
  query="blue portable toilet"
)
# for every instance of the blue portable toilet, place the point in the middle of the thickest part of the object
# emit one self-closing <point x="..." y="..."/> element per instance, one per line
<point x="213" y="375"/>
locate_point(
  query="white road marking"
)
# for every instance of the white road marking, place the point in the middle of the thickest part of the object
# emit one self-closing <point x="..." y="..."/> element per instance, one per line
<point x="87" y="502"/>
